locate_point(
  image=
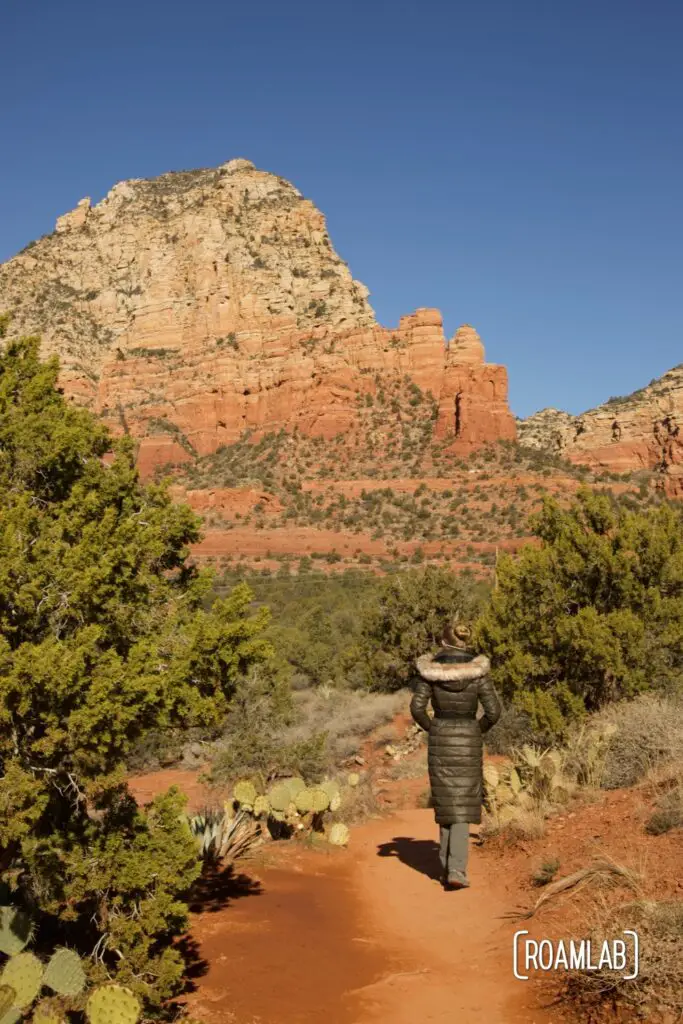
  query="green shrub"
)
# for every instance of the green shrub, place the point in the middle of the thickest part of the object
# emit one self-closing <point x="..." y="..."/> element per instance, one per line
<point x="105" y="633"/>
<point x="409" y="619"/>
<point x="592" y="615"/>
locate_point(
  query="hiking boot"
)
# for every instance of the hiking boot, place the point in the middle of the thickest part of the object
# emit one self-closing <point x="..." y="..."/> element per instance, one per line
<point x="457" y="882"/>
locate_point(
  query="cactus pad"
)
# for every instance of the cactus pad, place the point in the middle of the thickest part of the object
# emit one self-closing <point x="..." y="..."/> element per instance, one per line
<point x="7" y="997"/>
<point x="112" y="1004"/>
<point x="64" y="973"/>
<point x="23" y="973"/>
<point x="279" y="797"/>
<point x="514" y="780"/>
<point x="504" y="794"/>
<point x="294" y="785"/>
<point x="353" y="779"/>
<point x="16" y="930"/>
<point x="261" y="806"/>
<point x="12" y="1016"/>
<point x="331" y="788"/>
<point x="320" y="801"/>
<point x="338" y="834"/>
<point x="335" y="802"/>
<point x="245" y="792"/>
<point x="508" y="814"/>
<point x="303" y="801"/>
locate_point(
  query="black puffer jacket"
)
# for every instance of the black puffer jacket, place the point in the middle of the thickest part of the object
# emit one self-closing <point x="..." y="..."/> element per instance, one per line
<point x="455" y="683"/>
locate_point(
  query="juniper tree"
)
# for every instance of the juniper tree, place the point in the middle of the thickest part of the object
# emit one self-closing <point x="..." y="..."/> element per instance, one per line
<point x="593" y="614"/>
<point x="105" y="632"/>
<point x="408" y="618"/>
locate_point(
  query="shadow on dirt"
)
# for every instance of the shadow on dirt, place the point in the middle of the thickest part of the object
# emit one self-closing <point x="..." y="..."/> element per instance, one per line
<point x="195" y="966"/>
<point x="421" y="855"/>
<point x="215" y="889"/>
<point x="218" y="887"/>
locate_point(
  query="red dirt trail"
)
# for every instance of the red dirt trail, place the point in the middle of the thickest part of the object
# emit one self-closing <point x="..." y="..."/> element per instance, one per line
<point x="362" y="936"/>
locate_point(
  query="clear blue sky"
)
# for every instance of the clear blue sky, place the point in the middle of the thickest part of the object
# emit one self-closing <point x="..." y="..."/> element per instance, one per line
<point x="516" y="163"/>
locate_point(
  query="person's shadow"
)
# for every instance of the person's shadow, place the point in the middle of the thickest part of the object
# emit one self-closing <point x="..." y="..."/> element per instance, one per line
<point x="419" y="854"/>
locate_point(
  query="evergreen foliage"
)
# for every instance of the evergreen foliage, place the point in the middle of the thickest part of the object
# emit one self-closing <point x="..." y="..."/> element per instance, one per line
<point x="105" y="633"/>
<point x="593" y="614"/>
<point x="409" y="618"/>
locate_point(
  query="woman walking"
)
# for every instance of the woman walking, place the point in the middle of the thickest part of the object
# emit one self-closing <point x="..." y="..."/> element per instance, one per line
<point x="456" y="682"/>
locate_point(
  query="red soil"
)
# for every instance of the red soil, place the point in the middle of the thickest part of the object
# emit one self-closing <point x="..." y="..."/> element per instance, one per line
<point x="367" y="934"/>
<point x="362" y="935"/>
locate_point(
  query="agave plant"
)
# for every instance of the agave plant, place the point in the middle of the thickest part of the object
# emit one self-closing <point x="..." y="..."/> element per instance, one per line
<point x="221" y="836"/>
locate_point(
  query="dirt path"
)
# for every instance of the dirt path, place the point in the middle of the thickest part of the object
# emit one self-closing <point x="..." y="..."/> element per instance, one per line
<point x="365" y="936"/>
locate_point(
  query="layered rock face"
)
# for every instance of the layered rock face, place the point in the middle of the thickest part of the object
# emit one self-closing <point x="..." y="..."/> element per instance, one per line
<point x="191" y="307"/>
<point x="639" y="431"/>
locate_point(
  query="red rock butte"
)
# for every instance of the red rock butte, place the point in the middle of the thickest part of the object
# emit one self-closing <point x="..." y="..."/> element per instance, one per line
<point x="291" y="381"/>
<point x="193" y="307"/>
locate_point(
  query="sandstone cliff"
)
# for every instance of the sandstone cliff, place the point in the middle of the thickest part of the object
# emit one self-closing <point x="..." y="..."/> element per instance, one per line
<point x="638" y="431"/>
<point x="192" y="307"/>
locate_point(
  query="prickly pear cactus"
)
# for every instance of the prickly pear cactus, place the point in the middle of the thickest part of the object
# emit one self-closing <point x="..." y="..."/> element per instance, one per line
<point x="16" y="930"/>
<point x="23" y="973"/>
<point x="261" y="806"/>
<point x="245" y="792"/>
<point x="303" y="801"/>
<point x="333" y="791"/>
<point x="353" y="778"/>
<point x="320" y="801"/>
<point x="12" y="1016"/>
<point x="294" y="785"/>
<point x="280" y="797"/>
<point x="335" y="802"/>
<point x="64" y="973"/>
<point x="331" y="787"/>
<point x="338" y="834"/>
<point x="112" y="1004"/>
<point x="7" y="999"/>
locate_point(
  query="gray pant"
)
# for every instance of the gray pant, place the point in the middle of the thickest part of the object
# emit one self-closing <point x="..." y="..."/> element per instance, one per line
<point x="454" y="848"/>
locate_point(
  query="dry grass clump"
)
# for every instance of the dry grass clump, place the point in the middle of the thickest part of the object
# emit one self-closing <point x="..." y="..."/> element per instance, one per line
<point x="545" y="872"/>
<point x="648" y="733"/>
<point x="659" y="985"/>
<point x="601" y="873"/>
<point x="668" y="811"/>
<point x="513" y="729"/>
<point x="359" y="802"/>
<point x="346" y="716"/>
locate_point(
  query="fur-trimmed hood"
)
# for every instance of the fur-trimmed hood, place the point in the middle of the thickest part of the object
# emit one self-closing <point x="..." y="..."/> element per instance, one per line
<point x="453" y="676"/>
